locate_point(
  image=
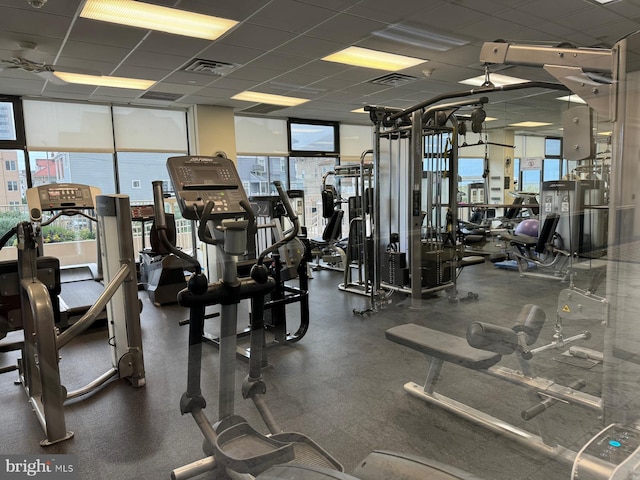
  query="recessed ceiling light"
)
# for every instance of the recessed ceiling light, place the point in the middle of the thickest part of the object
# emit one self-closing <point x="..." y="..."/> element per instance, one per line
<point x="364" y="57"/>
<point x="415" y="35"/>
<point x="605" y="133"/>
<point x="156" y="17"/>
<point x="530" y="124"/>
<point x="269" y="99"/>
<point x="603" y="2"/>
<point x="105" y="81"/>
<point x="495" y="78"/>
<point x="359" y="110"/>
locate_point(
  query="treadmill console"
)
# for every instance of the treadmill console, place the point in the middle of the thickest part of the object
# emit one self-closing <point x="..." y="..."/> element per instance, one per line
<point x="613" y="454"/>
<point x="198" y="180"/>
<point x="60" y="196"/>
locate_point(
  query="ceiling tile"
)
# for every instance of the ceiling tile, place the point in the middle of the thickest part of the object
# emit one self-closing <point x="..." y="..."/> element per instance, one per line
<point x="258" y="75"/>
<point x="92" y="31"/>
<point x="347" y="29"/>
<point x="224" y="52"/>
<point x="279" y="62"/>
<point x="159" y="42"/>
<point x="380" y="10"/>
<point x="335" y="5"/>
<point x="309" y="47"/>
<point x="14" y="21"/>
<point x="133" y="71"/>
<point x="299" y="17"/>
<point x="93" y="51"/>
<point x="188" y="78"/>
<point x="258" y="37"/>
<point x="155" y="60"/>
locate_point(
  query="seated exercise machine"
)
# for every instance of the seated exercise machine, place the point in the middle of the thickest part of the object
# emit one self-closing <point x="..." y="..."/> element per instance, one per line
<point x="327" y="247"/>
<point x="209" y="189"/>
<point x="37" y="283"/>
<point x="540" y="251"/>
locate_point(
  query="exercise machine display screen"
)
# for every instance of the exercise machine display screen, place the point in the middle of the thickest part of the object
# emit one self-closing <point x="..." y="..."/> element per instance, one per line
<point x="198" y="180"/>
<point x="142" y="212"/>
<point x="60" y="196"/>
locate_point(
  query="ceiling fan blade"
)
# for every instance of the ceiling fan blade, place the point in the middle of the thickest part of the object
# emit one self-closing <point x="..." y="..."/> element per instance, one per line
<point x="49" y="76"/>
<point x="69" y="69"/>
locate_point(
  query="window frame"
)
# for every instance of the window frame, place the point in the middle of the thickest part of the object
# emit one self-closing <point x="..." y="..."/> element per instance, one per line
<point x="18" y="122"/>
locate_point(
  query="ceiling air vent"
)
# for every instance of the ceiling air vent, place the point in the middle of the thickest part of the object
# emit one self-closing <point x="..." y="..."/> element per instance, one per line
<point x="394" y="80"/>
<point x="162" y="96"/>
<point x="210" y="67"/>
<point x="263" y="108"/>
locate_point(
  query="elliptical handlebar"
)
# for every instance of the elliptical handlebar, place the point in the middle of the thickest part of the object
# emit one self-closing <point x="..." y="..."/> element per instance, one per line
<point x="161" y="227"/>
<point x="293" y="233"/>
<point x="7" y="236"/>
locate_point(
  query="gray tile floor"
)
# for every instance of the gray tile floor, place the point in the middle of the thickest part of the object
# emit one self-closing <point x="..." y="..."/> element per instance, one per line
<point x="342" y="385"/>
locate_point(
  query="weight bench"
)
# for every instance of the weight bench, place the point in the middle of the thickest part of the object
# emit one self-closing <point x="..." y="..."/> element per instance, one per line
<point x="481" y="351"/>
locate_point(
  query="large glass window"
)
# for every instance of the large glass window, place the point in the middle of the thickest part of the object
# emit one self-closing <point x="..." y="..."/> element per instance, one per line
<point x="259" y="172"/>
<point x="553" y="159"/>
<point x="137" y="171"/>
<point x="11" y="123"/>
<point x="306" y="174"/>
<point x="13" y="208"/>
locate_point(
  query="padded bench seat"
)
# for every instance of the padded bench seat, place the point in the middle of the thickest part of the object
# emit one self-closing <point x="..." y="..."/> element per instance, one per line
<point x="470" y="260"/>
<point x="444" y="346"/>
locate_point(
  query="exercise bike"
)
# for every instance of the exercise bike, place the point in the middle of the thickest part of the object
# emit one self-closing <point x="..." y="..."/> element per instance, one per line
<point x="209" y="190"/>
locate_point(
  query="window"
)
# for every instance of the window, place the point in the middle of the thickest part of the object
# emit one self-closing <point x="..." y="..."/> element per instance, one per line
<point x="12" y="186"/>
<point x="11" y="123"/>
<point x="259" y="172"/>
<point x="551" y="167"/>
<point x="10" y="165"/>
<point x="137" y="171"/>
<point x="306" y="174"/>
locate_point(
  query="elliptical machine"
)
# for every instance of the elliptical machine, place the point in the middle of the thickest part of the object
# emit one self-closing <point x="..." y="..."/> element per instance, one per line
<point x="209" y="190"/>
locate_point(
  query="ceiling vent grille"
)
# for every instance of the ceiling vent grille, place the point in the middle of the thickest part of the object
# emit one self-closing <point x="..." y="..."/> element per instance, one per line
<point x="263" y="108"/>
<point x="394" y="80"/>
<point x="210" y="67"/>
<point x="162" y="96"/>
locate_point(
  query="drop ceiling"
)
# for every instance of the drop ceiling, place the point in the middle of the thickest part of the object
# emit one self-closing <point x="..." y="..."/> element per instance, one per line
<point x="277" y="46"/>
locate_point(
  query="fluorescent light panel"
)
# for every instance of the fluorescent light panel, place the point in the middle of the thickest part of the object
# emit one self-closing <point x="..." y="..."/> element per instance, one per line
<point x="415" y="35"/>
<point x="269" y="99"/>
<point x="156" y="17"/>
<point x="105" y="81"/>
<point x="364" y="57"/>
<point x="530" y="124"/>
<point x="495" y="78"/>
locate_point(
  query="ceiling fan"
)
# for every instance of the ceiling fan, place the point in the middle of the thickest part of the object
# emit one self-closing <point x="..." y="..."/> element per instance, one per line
<point x="18" y="60"/>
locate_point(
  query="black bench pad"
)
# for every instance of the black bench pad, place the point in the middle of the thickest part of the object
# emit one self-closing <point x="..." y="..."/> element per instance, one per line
<point x="470" y="260"/>
<point x="444" y="346"/>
